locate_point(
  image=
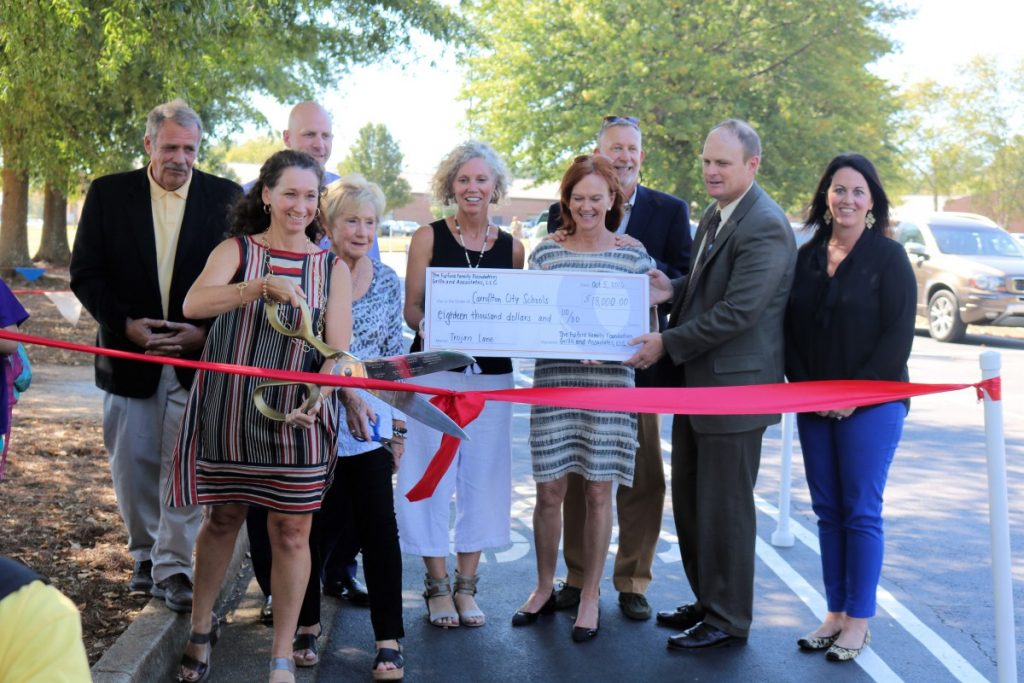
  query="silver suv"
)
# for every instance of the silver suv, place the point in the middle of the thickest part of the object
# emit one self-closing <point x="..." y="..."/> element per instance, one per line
<point x="969" y="272"/>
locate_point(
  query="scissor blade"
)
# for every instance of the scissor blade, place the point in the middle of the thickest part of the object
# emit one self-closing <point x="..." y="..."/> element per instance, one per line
<point x="415" y="364"/>
<point x="421" y="410"/>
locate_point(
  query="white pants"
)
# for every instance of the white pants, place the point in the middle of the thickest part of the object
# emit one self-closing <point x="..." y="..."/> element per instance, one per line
<point x="480" y="477"/>
<point x="140" y="434"/>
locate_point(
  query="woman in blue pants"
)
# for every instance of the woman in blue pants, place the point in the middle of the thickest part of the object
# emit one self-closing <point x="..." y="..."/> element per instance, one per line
<point x="851" y="316"/>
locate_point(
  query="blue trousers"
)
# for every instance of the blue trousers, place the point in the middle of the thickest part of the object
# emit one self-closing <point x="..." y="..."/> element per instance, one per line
<point x="847" y="463"/>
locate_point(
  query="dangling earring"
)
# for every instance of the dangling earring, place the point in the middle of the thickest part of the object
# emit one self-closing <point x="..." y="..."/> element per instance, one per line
<point x="266" y="209"/>
<point x="827" y="217"/>
<point x="869" y="220"/>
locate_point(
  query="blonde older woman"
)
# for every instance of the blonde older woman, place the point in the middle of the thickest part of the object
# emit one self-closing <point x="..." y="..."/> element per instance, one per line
<point x="360" y="500"/>
<point x="362" y="482"/>
<point x="471" y="178"/>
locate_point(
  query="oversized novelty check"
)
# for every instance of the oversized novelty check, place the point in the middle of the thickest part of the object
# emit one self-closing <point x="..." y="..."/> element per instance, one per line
<point x="535" y="313"/>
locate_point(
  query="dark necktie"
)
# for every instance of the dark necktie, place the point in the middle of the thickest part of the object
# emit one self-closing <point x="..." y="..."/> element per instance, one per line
<point x="711" y="234"/>
<point x="698" y="266"/>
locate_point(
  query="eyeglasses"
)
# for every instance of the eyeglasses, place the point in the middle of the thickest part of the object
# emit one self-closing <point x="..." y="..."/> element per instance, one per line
<point x="612" y="120"/>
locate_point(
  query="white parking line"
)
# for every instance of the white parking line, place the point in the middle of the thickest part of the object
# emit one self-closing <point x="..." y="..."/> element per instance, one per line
<point x="940" y="649"/>
<point x="869" y="661"/>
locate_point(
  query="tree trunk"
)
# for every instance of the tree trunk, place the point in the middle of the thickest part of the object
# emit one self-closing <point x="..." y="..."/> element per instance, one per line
<point x="53" y="248"/>
<point x="14" y="220"/>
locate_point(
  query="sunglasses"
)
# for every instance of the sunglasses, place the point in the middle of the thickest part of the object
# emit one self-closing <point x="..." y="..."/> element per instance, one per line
<point x="612" y="120"/>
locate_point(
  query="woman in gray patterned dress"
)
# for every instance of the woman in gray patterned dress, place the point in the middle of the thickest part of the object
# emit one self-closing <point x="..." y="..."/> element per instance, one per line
<point x="597" y="445"/>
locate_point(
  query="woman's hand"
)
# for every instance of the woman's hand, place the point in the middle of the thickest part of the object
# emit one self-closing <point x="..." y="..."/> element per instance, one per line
<point x="358" y="415"/>
<point x="282" y="290"/>
<point x="558" y="236"/>
<point x="304" y="419"/>
<point x="397" y="451"/>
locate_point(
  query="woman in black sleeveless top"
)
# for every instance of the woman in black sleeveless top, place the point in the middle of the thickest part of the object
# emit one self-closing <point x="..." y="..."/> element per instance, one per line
<point x="471" y="177"/>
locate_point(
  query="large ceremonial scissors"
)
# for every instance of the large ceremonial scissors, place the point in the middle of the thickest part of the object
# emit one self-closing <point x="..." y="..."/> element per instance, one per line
<point x="393" y="368"/>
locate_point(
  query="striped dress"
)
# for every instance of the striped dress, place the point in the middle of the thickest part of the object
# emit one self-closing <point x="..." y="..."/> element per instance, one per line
<point x="229" y="452"/>
<point x="598" y="445"/>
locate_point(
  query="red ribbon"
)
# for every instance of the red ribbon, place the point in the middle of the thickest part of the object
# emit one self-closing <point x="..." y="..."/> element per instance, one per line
<point x="19" y="292"/>
<point x="463" y="407"/>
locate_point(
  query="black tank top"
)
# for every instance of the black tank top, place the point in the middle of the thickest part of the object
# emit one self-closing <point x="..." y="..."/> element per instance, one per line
<point x="448" y="253"/>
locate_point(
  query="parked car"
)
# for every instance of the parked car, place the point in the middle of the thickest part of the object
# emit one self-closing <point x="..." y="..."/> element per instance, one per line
<point x="397" y="228"/>
<point x="969" y="272"/>
<point x="540" y="224"/>
<point x="1019" y="236"/>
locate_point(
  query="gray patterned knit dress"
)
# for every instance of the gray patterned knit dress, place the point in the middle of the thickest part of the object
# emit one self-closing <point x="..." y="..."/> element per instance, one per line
<point x="599" y="445"/>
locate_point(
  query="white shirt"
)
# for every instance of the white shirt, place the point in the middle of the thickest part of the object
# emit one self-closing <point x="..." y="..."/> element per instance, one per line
<point x="625" y="214"/>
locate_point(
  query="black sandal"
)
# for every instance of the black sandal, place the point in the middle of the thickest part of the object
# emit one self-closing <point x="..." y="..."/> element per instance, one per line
<point x="306" y="641"/>
<point x="194" y="665"/>
<point x="389" y="655"/>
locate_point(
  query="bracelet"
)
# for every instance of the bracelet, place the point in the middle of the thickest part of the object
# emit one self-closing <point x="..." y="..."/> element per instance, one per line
<point x="399" y="431"/>
<point x="241" y="288"/>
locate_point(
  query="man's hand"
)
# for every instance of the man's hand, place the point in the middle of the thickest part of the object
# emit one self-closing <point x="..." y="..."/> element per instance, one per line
<point x="179" y="338"/>
<point x="660" y="287"/>
<point x="143" y="331"/>
<point x="649" y="353"/>
<point x="624" y="240"/>
<point x="558" y="236"/>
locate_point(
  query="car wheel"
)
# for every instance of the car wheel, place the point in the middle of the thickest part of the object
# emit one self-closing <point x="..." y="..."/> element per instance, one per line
<point x="944" y="323"/>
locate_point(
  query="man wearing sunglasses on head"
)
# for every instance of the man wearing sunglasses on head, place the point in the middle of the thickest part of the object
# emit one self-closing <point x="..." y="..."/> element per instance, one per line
<point x="661" y="223"/>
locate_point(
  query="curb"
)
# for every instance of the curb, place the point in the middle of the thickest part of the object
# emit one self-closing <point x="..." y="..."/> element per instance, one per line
<point x="150" y="648"/>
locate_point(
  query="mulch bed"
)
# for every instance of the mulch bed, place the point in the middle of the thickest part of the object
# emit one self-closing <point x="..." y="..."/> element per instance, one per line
<point x="58" y="513"/>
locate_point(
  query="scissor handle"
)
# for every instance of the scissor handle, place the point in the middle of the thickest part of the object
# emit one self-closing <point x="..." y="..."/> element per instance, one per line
<point x="375" y="425"/>
<point x="345" y="363"/>
<point x="304" y="330"/>
<point x="273" y="413"/>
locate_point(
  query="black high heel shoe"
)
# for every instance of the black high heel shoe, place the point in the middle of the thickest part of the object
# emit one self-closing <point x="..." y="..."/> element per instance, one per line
<point x="581" y="634"/>
<point x="522" y="618"/>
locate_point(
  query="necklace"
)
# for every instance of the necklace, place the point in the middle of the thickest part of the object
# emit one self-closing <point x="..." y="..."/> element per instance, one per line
<point x="318" y="286"/>
<point x="483" y="246"/>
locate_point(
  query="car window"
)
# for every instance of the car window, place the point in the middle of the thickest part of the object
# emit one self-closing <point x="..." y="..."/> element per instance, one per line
<point x="907" y="233"/>
<point x="975" y="242"/>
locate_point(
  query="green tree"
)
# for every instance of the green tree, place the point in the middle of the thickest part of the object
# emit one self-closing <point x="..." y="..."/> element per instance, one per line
<point x="967" y="137"/>
<point x="376" y="155"/>
<point x="78" y="76"/>
<point x="942" y="157"/>
<point x="254" y="150"/>
<point x="794" y="70"/>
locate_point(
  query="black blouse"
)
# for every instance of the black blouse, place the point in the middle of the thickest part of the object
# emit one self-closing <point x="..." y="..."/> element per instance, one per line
<point x="857" y="324"/>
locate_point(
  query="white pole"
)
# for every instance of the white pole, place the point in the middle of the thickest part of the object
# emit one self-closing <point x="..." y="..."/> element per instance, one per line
<point x="782" y="536"/>
<point x="999" y="526"/>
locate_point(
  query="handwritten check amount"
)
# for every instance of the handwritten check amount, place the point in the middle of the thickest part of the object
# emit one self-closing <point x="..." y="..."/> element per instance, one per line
<point x="535" y="313"/>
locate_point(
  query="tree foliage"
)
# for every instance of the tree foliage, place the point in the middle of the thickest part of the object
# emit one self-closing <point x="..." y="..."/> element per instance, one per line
<point x="967" y="137"/>
<point x="377" y="156"/>
<point x="255" y="150"/>
<point x="77" y="77"/>
<point x="794" y="70"/>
